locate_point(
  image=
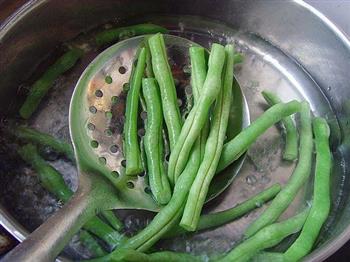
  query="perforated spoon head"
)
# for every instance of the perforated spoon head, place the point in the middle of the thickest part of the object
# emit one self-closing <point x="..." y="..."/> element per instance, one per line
<point x="97" y="119"/>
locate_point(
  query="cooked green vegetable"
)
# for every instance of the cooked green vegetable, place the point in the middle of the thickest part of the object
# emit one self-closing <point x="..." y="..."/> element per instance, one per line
<point x="199" y="113"/>
<point x="54" y="183"/>
<point x="43" y="84"/>
<point x="166" y="83"/>
<point x="90" y="243"/>
<point x="296" y="181"/>
<point x="153" y="142"/>
<point x="42" y="139"/>
<point x="115" y="34"/>
<point x="291" y="147"/>
<point x="31" y="135"/>
<point x="226" y="216"/>
<point x="321" y="198"/>
<point x="268" y="236"/>
<point x="238" y="145"/>
<point x="131" y="144"/>
<point x="213" y="148"/>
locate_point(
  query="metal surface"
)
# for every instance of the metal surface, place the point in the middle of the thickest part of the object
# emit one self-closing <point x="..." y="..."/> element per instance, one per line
<point x="289" y="47"/>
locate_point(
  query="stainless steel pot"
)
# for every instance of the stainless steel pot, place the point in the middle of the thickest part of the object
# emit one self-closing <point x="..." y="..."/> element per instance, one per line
<point x="290" y="48"/>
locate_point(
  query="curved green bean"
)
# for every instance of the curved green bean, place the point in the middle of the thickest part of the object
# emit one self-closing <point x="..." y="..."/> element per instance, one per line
<point x="166" y="83"/>
<point x="131" y="144"/>
<point x="238" y="145"/>
<point x="130" y="255"/>
<point x="291" y="147"/>
<point x="199" y="113"/>
<point x="43" y="84"/>
<point x="54" y="183"/>
<point x="321" y="198"/>
<point x="91" y="244"/>
<point x="226" y="216"/>
<point x="213" y="148"/>
<point x="297" y="179"/>
<point x="115" y="34"/>
<point x="153" y="142"/>
<point x="268" y="257"/>
<point x="31" y="135"/>
<point x="268" y="236"/>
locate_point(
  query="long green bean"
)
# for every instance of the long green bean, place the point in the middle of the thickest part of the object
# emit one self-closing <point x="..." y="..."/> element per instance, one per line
<point x="42" y="139"/>
<point x="321" y="198"/>
<point x="153" y="142"/>
<point x="131" y="144"/>
<point x="213" y="148"/>
<point x="43" y="84"/>
<point x="166" y="83"/>
<point x="115" y="34"/>
<point x="268" y="236"/>
<point x="130" y="255"/>
<point x="220" y="218"/>
<point x="91" y="244"/>
<point x="31" y="135"/>
<point x="238" y="145"/>
<point x="199" y="113"/>
<point x="291" y="145"/>
<point x="54" y="183"/>
<point x="296" y="181"/>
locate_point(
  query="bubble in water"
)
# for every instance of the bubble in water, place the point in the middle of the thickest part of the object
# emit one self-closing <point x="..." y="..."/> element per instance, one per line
<point x="251" y="180"/>
<point x="265" y="179"/>
<point x="258" y="204"/>
<point x="329" y="88"/>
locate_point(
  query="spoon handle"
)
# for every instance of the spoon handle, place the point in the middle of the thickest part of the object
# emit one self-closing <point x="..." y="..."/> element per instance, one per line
<point x="48" y="240"/>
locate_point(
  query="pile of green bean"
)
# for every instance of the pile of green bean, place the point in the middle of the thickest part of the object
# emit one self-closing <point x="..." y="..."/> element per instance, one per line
<point x="198" y="151"/>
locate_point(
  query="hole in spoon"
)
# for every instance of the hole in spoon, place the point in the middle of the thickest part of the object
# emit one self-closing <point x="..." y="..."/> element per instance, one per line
<point x="94" y="144"/>
<point x="122" y="70"/>
<point x="102" y="160"/>
<point x="114" y="148"/>
<point x="98" y="93"/>
<point x="147" y="190"/>
<point x="123" y="163"/>
<point x="108" y="79"/>
<point x="92" y="109"/>
<point x="130" y="184"/>
<point x="115" y="173"/>
<point x="91" y="126"/>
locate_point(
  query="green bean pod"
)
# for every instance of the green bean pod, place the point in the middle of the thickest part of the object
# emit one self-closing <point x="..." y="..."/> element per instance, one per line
<point x="239" y="144"/>
<point x="213" y="148"/>
<point x="321" y="198"/>
<point x="291" y="146"/>
<point x="31" y="135"/>
<point x="166" y="83"/>
<point x="54" y="183"/>
<point x="268" y="236"/>
<point x="220" y="218"/>
<point x="199" y="113"/>
<point x="43" y="84"/>
<point x="91" y="244"/>
<point x="297" y="179"/>
<point x="153" y="142"/>
<point x="131" y="144"/>
<point x="115" y="34"/>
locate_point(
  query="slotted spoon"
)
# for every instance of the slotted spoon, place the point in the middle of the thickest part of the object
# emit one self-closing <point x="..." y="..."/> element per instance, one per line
<point x="96" y="125"/>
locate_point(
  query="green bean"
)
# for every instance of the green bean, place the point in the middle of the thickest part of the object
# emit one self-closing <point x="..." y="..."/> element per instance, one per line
<point x="268" y="236"/>
<point x="149" y="69"/>
<point x="42" y="139"/>
<point x="131" y="144"/>
<point x="213" y="148"/>
<point x="54" y="183"/>
<point x="153" y="142"/>
<point x="91" y="244"/>
<point x="237" y="146"/>
<point x="115" y="34"/>
<point x="220" y="218"/>
<point x="112" y="219"/>
<point x="321" y="198"/>
<point x="296" y="181"/>
<point x="31" y="135"/>
<point x="291" y="147"/>
<point x="130" y="255"/>
<point x="198" y="75"/>
<point x="199" y="113"/>
<point x="43" y="84"/>
<point x="268" y="257"/>
<point x="238" y="58"/>
<point x="166" y="83"/>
